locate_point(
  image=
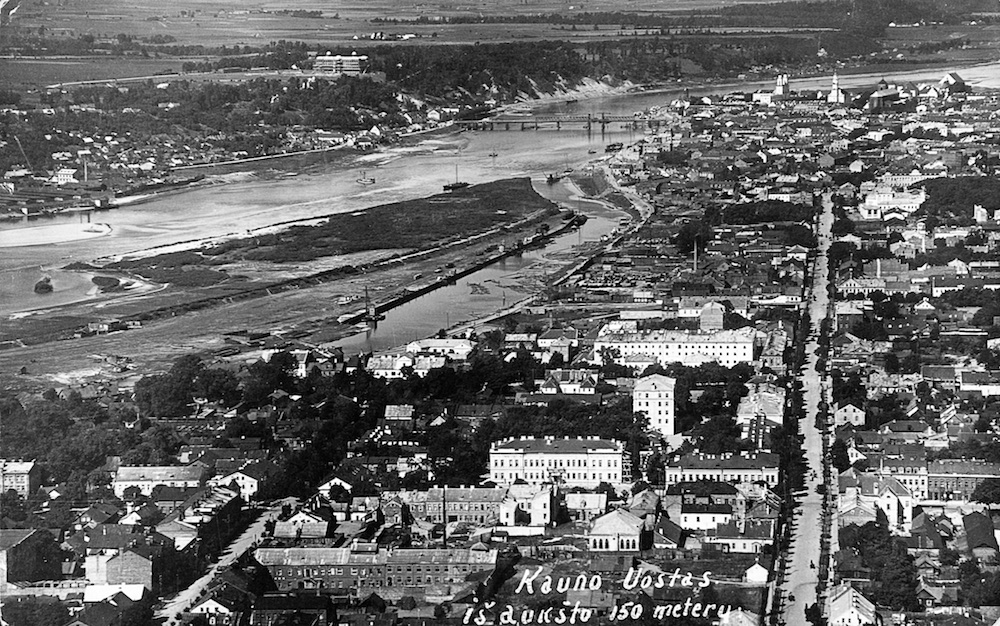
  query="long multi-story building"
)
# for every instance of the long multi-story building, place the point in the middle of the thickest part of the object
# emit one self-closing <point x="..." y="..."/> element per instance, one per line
<point x="728" y="468"/>
<point x="352" y="65"/>
<point x="477" y="505"/>
<point x="728" y="347"/>
<point x="580" y="462"/>
<point x="338" y="570"/>
<point x="956" y="479"/>
<point x="146" y="477"/>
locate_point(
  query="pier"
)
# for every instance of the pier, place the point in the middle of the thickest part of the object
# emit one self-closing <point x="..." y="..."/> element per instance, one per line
<point x="507" y="121"/>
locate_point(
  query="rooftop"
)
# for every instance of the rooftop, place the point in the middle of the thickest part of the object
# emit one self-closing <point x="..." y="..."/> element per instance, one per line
<point x="553" y="445"/>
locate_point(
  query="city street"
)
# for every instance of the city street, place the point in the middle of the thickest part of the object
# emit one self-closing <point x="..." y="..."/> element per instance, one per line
<point x="183" y="600"/>
<point x="801" y="573"/>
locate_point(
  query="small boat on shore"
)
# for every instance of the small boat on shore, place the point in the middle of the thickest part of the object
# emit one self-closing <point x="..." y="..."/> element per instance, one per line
<point x="458" y="184"/>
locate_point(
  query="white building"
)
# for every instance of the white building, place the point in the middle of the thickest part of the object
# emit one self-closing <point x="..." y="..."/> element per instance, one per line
<point x="146" y="477"/>
<point x="392" y="365"/>
<point x="848" y="414"/>
<point x="845" y="606"/>
<point x="728" y="347"/>
<point x="351" y="65"/>
<point x="728" y="468"/>
<point x="454" y="349"/>
<point x="617" y="531"/>
<point x="883" y="201"/>
<point x="24" y="477"/>
<point x="579" y="462"/>
<point x="654" y="396"/>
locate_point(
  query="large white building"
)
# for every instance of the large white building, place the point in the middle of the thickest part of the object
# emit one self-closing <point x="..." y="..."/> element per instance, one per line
<point x="352" y="65"/>
<point x="579" y="462"/>
<point x="728" y="347"/>
<point x="883" y="201"/>
<point x="654" y="396"/>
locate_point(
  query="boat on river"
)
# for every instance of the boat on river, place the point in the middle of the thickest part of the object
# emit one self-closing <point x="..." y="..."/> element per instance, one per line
<point x="365" y="179"/>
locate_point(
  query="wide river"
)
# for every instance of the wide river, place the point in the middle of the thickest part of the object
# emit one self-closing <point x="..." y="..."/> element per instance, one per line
<point x="251" y="202"/>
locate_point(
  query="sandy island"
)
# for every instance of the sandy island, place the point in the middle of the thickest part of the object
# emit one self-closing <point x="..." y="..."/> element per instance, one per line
<point x="51" y="234"/>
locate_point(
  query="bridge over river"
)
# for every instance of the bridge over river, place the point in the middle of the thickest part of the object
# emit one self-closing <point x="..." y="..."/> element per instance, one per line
<point x="508" y="121"/>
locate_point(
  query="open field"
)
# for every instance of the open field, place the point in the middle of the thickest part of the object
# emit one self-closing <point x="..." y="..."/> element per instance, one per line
<point x="252" y="23"/>
<point x="46" y="71"/>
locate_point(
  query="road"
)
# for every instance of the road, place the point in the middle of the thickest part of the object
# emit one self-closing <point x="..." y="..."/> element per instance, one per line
<point x="801" y="573"/>
<point x="183" y="600"/>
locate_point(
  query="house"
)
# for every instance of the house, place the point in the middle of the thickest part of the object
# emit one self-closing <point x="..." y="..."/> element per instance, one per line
<point x="453" y="349"/>
<point x="756" y="574"/>
<point x="697" y="516"/>
<point x="752" y="537"/>
<point x="304" y="525"/>
<point x="249" y="480"/>
<point x="145" y="477"/>
<point x="862" y="491"/>
<point x="222" y="607"/>
<point x="586" y="506"/>
<point x="845" y="606"/>
<point x="569" y="381"/>
<point x="848" y="414"/>
<point x="528" y="505"/>
<point x="559" y="337"/>
<point x="980" y="539"/>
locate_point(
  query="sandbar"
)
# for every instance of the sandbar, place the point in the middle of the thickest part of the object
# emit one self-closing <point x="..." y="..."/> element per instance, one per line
<point x="51" y="234"/>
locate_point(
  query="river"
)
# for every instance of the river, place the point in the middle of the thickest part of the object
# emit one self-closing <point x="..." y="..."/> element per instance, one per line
<point x="250" y="201"/>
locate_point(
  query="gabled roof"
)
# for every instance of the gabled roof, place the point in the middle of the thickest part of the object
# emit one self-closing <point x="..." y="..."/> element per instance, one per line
<point x="979" y="531"/>
<point x="617" y="522"/>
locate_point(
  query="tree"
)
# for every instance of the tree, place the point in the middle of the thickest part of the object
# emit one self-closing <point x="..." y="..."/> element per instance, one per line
<point x="988" y="491"/>
<point x="838" y="455"/>
<point x="34" y="611"/>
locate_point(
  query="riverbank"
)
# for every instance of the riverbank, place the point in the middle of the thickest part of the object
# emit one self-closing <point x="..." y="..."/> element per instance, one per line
<point x="310" y="310"/>
<point x="233" y="277"/>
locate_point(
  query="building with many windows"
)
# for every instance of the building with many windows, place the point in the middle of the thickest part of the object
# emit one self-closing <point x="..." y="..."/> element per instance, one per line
<point x="366" y="567"/>
<point x="579" y="462"/>
<point x="728" y="347"/>
<point x="745" y="467"/>
<point x="352" y="65"/>
<point x="477" y="505"/>
<point x="654" y="396"/>
<point x="956" y="479"/>
<point x="24" y="477"/>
